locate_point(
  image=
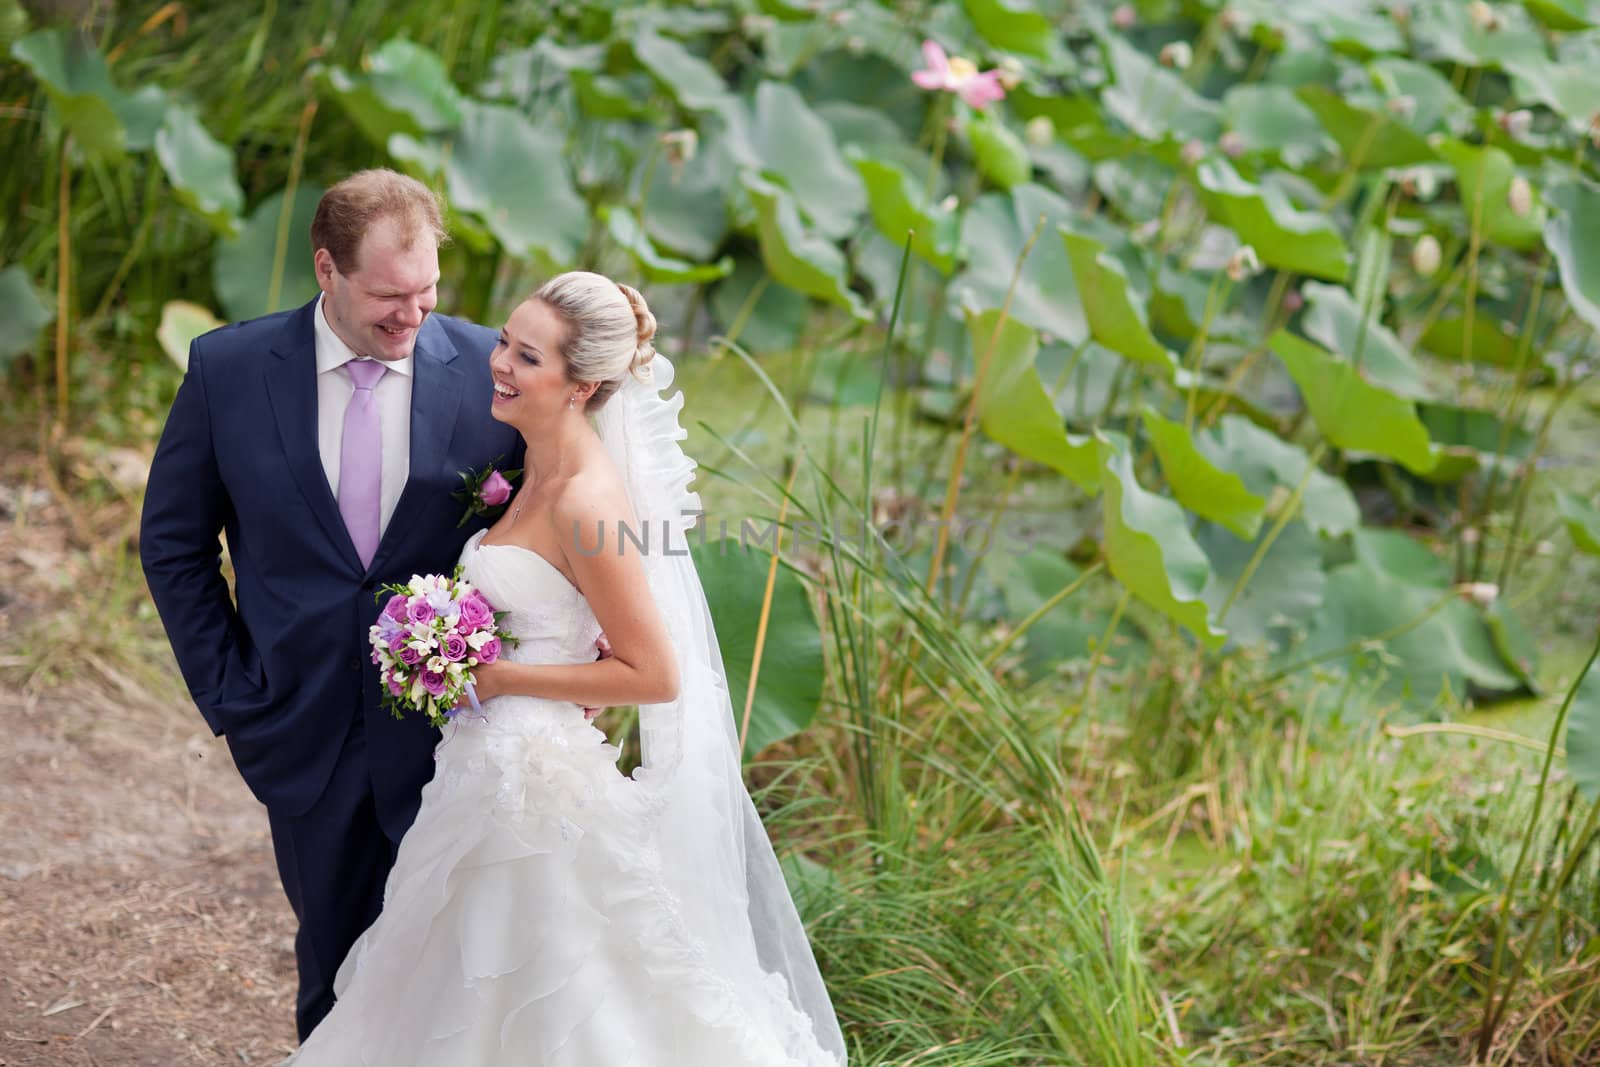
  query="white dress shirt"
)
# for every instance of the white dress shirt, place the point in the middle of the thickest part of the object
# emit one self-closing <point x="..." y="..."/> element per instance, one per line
<point x="393" y="394"/>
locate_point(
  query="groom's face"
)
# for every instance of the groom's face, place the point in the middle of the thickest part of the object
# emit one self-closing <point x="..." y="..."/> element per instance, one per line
<point x="380" y="305"/>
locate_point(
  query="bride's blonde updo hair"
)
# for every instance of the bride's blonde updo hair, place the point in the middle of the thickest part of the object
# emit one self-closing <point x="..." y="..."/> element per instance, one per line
<point x="609" y="329"/>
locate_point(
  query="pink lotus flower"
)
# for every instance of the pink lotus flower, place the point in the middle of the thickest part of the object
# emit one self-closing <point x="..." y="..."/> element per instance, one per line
<point x="958" y="75"/>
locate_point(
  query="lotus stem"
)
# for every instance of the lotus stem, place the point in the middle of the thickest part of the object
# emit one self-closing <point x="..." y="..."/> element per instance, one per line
<point x="1284" y="515"/>
<point x="1493" y="1012"/>
<point x="1470" y="309"/>
<point x="1530" y="322"/>
<point x="280" y="250"/>
<point x="969" y="424"/>
<point x="1525" y="486"/>
<point x="1042" y="610"/>
<point x="1197" y="346"/>
<point x="1280" y="285"/>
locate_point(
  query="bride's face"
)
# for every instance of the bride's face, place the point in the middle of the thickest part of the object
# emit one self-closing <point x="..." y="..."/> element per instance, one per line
<point x="530" y="374"/>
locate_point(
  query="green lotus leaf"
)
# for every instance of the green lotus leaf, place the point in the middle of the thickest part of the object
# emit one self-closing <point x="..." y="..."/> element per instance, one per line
<point x="692" y="82"/>
<point x="1271" y="120"/>
<point x="780" y="135"/>
<point x="601" y="96"/>
<point x="789" y="685"/>
<point x="1069" y="630"/>
<point x="1434" y="104"/>
<point x="625" y="230"/>
<point x="1200" y="485"/>
<point x="1565" y="14"/>
<point x="26" y="314"/>
<point x="1476" y="433"/>
<point x="1153" y="101"/>
<point x="1376" y="600"/>
<point x="200" y="168"/>
<point x="799" y="258"/>
<point x="1492" y="342"/>
<point x="1271" y="467"/>
<point x="1334" y="319"/>
<point x="1078" y="120"/>
<point x="1281" y="596"/>
<point x="513" y="176"/>
<point x="1013" y="25"/>
<point x="994" y="232"/>
<point x="1583" y="734"/>
<point x="1013" y="406"/>
<point x="78" y="81"/>
<point x="1581" y="518"/>
<point x="1282" y="235"/>
<point x="1518" y="649"/>
<point x="773" y="322"/>
<point x="686" y="207"/>
<point x="1374" y="138"/>
<point x="142" y="112"/>
<point x="1116" y="318"/>
<point x="1352" y="412"/>
<point x="181" y="322"/>
<point x="999" y="153"/>
<point x="243" y="269"/>
<point x="1448" y="27"/>
<point x="1150" y="550"/>
<point x="402" y="88"/>
<point x="899" y="205"/>
<point x="520" y="75"/>
<point x="1573" y="237"/>
<point x="1483" y="176"/>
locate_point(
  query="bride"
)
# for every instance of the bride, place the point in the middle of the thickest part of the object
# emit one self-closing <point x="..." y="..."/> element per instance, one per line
<point x="545" y="910"/>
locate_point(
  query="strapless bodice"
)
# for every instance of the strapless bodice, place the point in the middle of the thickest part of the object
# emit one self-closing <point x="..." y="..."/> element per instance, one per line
<point x="547" y="615"/>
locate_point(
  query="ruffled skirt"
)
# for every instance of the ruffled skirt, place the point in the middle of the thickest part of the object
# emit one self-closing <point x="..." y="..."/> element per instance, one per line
<point x="526" y="922"/>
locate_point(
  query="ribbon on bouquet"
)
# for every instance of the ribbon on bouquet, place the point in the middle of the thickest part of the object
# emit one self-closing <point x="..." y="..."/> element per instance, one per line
<point x="457" y="713"/>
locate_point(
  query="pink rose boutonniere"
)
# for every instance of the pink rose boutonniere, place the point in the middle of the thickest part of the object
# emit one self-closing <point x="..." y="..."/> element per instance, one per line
<point x="485" y="492"/>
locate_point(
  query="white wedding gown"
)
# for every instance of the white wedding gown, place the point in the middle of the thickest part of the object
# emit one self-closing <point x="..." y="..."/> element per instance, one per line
<point x="526" y="921"/>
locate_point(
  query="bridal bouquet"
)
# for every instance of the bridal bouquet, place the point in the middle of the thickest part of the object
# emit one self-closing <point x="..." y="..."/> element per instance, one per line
<point x="431" y="633"/>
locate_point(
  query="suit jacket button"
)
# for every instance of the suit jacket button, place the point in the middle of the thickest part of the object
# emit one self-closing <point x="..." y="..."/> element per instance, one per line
<point x="353" y="663"/>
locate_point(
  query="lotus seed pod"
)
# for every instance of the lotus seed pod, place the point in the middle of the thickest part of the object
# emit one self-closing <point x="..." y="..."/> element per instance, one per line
<point x="1010" y="70"/>
<point x="1519" y="198"/>
<point x="1293" y="301"/>
<point x="1426" y="255"/>
<point x="1482" y="16"/>
<point x="1192" y="152"/>
<point x="1232" y="144"/>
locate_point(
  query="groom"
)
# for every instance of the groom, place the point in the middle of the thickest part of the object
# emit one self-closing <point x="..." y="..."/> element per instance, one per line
<point x="326" y="442"/>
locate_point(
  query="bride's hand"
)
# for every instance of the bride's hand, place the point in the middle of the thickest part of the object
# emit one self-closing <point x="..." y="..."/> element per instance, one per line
<point x="488" y="680"/>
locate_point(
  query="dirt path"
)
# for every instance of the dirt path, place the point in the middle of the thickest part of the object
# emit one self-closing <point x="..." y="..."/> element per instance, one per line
<point x="140" y="916"/>
<point x="141" y="922"/>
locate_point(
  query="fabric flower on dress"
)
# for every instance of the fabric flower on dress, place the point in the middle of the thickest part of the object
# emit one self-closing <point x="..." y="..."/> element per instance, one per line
<point x="959" y="75"/>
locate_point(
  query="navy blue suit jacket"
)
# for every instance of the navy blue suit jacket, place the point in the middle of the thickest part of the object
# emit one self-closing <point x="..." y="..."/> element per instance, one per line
<point x="282" y="666"/>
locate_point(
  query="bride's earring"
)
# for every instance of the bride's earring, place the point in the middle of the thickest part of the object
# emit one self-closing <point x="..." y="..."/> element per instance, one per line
<point x="572" y="403"/>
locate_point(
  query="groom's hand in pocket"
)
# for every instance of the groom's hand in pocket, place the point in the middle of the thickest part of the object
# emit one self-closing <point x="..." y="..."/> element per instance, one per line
<point x="602" y="647"/>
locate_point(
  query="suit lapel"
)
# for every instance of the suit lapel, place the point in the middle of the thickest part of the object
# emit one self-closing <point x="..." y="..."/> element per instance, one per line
<point x="292" y="392"/>
<point x="436" y="386"/>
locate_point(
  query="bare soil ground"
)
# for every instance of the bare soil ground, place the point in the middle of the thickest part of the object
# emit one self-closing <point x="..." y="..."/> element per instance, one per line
<point x="141" y="921"/>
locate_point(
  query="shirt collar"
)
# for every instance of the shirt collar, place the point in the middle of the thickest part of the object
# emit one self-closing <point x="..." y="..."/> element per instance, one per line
<point x="333" y="353"/>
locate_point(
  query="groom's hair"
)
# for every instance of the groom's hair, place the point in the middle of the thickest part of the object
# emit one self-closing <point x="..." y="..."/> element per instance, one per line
<point x="349" y="209"/>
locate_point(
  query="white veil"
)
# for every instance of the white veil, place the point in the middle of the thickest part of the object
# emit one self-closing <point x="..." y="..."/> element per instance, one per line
<point x="716" y="857"/>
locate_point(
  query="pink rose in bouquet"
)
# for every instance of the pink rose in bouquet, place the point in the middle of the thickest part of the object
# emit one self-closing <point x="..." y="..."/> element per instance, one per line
<point x="429" y="635"/>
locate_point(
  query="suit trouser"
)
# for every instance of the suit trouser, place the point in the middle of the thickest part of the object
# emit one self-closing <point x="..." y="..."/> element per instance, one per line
<point x="333" y="862"/>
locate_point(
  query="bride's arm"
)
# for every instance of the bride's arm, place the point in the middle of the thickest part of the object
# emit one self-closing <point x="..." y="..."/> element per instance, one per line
<point x="642" y="668"/>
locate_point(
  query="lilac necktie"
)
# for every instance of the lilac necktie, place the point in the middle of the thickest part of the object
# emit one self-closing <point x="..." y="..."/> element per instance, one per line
<point x="361" y="460"/>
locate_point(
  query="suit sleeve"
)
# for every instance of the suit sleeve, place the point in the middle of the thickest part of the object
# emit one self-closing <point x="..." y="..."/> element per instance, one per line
<point x="185" y="507"/>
